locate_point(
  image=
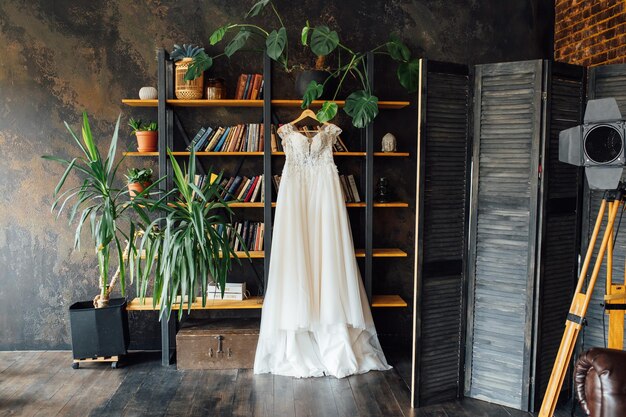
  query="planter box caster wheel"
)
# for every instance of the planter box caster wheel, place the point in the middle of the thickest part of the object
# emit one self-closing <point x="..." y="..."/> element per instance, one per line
<point x="75" y="365"/>
<point x="114" y="365"/>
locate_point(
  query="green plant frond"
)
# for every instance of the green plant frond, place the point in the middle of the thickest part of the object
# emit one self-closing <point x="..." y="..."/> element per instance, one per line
<point x="256" y="8"/>
<point x="122" y="265"/>
<point x="78" y="142"/>
<point x="112" y="148"/>
<point x="90" y="145"/>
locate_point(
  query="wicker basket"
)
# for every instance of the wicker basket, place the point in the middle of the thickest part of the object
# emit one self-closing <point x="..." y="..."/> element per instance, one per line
<point x="187" y="90"/>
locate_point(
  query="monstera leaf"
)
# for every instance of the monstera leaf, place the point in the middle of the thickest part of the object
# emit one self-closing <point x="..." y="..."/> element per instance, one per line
<point x="257" y="7"/>
<point x="219" y="33"/>
<point x="362" y="107"/>
<point x="313" y="92"/>
<point x="408" y="74"/>
<point x="398" y="50"/>
<point x="327" y="112"/>
<point x="237" y="42"/>
<point x="200" y="63"/>
<point x="275" y="43"/>
<point x="323" y="40"/>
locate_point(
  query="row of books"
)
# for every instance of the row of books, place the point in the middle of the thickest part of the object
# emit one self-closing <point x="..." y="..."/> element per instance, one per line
<point x="338" y="145"/>
<point x="232" y="291"/>
<point x="250" y="235"/>
<point x="238" y="138"/>
<point x="249" y="87"/>
<point x="348" y="187"/>
<point x="242" y="188"/>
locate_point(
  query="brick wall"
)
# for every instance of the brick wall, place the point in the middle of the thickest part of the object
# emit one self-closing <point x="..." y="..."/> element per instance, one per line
<point x="590" y="32"/>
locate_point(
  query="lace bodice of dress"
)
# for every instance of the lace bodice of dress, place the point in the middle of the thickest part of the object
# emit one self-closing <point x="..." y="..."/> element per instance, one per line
<point x="302" y="152"/>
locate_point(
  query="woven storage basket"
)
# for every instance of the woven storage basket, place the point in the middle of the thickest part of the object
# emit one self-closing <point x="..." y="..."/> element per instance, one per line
<point x="187" y="90"/>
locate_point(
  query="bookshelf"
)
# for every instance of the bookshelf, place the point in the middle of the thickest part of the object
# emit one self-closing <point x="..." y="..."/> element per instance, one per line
<point x="166" y="106"/>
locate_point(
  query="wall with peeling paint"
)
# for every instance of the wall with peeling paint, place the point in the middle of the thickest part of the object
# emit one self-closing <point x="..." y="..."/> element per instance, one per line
<point x="62" y="57"/>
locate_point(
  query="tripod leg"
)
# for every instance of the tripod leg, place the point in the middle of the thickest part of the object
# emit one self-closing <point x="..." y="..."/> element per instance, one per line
<point x="614" y="294"/>
<point x="577" y="311"/>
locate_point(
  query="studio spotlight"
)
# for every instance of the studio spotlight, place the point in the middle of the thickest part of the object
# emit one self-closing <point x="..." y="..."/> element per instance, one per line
<point x="598" y="144"/>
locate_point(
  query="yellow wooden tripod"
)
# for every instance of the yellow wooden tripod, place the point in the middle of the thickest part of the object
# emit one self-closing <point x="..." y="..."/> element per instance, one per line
<point x="615" y="300"/>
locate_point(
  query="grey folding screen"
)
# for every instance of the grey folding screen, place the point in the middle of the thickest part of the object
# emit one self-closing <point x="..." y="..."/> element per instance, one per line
<point x="444" y="102"/>
<point x="523" y="231"/>
<point x="606" y="81"/>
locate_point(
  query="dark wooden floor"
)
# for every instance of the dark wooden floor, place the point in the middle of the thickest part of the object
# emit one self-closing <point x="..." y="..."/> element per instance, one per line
<point x="44" y="384"/>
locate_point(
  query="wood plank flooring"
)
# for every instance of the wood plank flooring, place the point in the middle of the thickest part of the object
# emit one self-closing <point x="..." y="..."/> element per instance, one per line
<point x="44" y="384"/>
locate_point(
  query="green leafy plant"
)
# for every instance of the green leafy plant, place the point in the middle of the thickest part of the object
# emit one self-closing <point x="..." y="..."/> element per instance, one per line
<point x="98" y="200"/>
<point x="185" y="51"/>
<point x="188" y="244"/>
<point x="137" y="126"/>
<point x="361" y="105"/>
<point x="135" y="175"/>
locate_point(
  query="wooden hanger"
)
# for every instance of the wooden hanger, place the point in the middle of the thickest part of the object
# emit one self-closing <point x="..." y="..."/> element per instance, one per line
<point x="306" y="113"/>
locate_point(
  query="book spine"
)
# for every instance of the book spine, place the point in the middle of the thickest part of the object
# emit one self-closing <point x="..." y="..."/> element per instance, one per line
<point x="241" y="82"/>
<point x="246" y="90"/>
<point x="355" y="191"/>
<point x="244" y="189"/>
<point x="195" y="139"/>
<point x="227" y="296"/>
<point x="214" y="139"/>
<point x="229" y="287"/>
<point x="202" y="142"/>
<point x="220" y="144"/>
<point x="233" y="187"/>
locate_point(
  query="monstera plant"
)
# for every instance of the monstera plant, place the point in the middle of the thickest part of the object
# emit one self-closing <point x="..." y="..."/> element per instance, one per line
<point x="361" y="105"/>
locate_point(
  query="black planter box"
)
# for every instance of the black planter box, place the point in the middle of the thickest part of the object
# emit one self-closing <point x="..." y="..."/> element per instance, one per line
<point x="98" y="332"/>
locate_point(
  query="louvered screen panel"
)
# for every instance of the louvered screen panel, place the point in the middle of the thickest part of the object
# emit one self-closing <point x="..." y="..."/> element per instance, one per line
<point x="445" y="170"/>
<point x="606" y="81"/>
<point x="559" y="243"/>
<point x="507" y="117"/>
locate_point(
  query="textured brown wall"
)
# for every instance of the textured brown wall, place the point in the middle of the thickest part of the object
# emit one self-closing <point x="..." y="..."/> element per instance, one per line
<point x="590" y="32"/>
<point x="62" y="57"/>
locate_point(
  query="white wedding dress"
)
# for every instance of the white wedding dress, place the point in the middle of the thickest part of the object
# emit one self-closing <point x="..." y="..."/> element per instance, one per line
<point x="316" y="318"/>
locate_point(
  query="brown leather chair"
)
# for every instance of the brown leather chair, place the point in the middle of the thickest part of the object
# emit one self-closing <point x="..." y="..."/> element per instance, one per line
<point x="601" y="382"/>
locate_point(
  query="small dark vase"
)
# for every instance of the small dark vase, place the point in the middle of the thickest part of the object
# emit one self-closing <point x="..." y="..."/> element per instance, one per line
<point x="383" y="194"/>
<point x="305" y="77"/>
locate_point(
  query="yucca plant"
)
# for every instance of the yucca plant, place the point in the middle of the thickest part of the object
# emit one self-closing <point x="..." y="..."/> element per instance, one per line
<point x="100" y="201"/>
<point x="187" y="246"/>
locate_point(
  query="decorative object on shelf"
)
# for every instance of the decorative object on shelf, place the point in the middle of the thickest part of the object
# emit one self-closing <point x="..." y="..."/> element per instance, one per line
<point x="148" y="93"/>
<point x="215" y="89"/>
<point x="147" y="135"/>
<point x="138" y="180"/>
<point x="320" y="74"/>
<point x="361" y="105"/>
<point x="383" y="195"/>
<point x="389" y="143"/>
<point x="183" y="88"/>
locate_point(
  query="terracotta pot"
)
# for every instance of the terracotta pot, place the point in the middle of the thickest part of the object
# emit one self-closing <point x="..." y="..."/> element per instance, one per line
<point x="135" y="188"/>
<point x="147" y="141"/>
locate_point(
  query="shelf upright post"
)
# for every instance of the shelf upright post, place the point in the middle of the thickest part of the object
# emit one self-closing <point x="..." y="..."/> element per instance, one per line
<point x="267" y="164"/>
<point x="369" y="187"/>
<point x="166" y="133"/>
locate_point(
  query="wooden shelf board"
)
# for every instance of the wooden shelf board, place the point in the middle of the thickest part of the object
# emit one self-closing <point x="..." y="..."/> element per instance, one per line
<point x="250" y="103"/>
<point x="394" y="204"/>
<point x="215" y="103"/>
<point x="182" y="153"/>
<point x="140" y="103"/>
<point x="340" y="103"/>
<point x="378" y="301"/>
<point x="359" y="253"/>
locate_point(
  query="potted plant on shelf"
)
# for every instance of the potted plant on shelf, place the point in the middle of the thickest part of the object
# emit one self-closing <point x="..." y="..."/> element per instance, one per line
<point x="138" y="180"/>
<point x="182" y="57"/>
<point x="189" y="243"/>
<point x="147" y="135"/>
<point x="361" y="105"/>
<point x="99" y="328"/>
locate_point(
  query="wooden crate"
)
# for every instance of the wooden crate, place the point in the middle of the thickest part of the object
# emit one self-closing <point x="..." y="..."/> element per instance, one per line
<point x="217" y="344"/>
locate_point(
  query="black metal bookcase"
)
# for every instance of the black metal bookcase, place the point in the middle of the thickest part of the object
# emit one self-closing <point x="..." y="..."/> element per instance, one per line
<point x="168" y="121"/>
